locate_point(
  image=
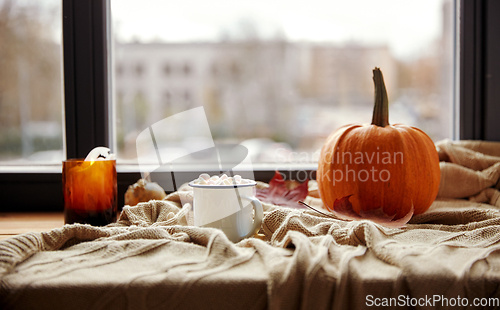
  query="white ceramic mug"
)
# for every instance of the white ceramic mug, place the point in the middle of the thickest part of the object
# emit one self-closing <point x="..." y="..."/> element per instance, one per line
<point x="229" y="208"/>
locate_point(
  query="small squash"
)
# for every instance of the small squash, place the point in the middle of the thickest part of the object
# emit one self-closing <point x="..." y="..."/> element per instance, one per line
<point x="378" y="165"/>
<point x="143" y="191"/>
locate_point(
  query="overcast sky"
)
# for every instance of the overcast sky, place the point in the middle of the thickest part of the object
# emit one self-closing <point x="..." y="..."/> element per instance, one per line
<point x="407" y="26"/>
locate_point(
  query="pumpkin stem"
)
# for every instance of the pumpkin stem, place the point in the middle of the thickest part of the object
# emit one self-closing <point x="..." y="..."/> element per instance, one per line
<point x="381" y="108"/>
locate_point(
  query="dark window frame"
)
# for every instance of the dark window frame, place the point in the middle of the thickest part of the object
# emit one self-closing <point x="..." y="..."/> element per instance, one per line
<point x="87" y="99"/>
<point x="479" y="61"/>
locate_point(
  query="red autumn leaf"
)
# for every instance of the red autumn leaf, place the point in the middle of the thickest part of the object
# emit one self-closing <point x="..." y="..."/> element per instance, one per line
<point x="284" y="193"/>
<point x="342" y="208"/>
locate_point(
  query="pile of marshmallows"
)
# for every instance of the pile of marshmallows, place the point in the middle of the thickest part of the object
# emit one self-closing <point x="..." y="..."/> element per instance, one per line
<point x="205" y="179"/>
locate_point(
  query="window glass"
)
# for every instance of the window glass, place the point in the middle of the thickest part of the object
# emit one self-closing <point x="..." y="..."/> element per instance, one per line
<point x="31" y="113"/>
<point x="280" y="76"/>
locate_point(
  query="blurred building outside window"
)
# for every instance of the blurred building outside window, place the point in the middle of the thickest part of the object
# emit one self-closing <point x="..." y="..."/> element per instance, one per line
<point x="280" y="77"/>
<point x="277" y="77"/>
<point x="31" y="110"/>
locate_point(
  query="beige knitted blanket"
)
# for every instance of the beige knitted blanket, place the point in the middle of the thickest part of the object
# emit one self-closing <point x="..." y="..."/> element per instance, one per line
<point x="151" y="258"/>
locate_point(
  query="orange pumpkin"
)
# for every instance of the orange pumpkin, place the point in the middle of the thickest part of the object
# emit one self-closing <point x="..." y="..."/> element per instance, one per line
<point x="393" y="167"/>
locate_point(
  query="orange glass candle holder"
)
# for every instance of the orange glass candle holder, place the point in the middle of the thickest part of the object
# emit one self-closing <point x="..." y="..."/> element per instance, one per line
<point x="90" y="191"/>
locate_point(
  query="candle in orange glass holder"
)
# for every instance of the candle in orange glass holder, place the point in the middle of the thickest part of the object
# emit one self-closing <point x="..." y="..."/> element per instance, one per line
<point x="90" y="191"/>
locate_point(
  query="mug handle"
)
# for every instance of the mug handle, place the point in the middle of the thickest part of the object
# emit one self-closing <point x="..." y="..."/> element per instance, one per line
<point x="259" y="214"/>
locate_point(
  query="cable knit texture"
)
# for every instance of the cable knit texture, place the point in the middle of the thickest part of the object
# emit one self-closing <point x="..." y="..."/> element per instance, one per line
<point x="152" y="258"/>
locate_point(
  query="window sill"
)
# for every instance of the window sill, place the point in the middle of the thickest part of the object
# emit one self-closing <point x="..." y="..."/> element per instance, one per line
<point x="38" y="188"/>
<point x="12" y="224"/>
<point x="134" y="168"/>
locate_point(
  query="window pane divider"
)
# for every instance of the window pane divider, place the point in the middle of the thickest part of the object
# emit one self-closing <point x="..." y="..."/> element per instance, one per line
<point x="85" y="46"/>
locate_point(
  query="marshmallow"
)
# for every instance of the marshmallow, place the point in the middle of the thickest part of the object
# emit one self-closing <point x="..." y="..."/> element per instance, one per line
<point x="204" y="176"/>
<point x="205" y="179"/>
